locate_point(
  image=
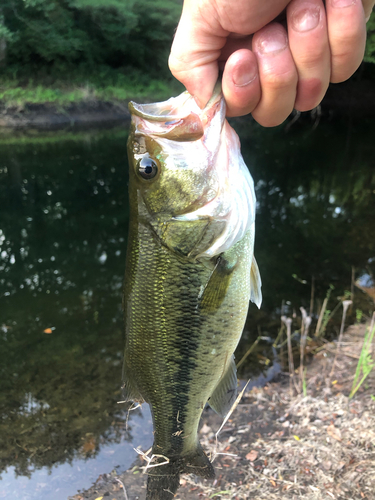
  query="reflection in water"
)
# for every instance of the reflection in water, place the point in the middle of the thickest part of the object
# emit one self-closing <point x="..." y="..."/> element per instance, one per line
<point x="63" y="226"/>
<point x="65" y="478"/>
<point x="63" y="240"/>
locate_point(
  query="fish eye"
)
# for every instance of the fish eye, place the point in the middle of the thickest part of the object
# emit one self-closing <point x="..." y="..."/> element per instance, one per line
<point x="147" y="168"/>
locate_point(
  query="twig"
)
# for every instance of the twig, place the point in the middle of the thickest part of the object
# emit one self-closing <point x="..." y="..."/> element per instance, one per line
<point x="123" y="488"/>
<point x="334" y="351"/>
<point x="248" y="352"/>
<point x="131" y="408"/>
<point x="306" y="322"/>
<point x="279" y="335"/>
<point x="312" y="295"/>
<point x="234" y="406"/>
<point x="320" y="319"/>
<point x="345" y="305"/>
<point x="288" y="323"/>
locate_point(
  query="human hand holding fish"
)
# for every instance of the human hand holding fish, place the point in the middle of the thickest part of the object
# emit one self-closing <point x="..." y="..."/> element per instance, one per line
<point x="269" y="67"/>
<point x="190" y="274"/>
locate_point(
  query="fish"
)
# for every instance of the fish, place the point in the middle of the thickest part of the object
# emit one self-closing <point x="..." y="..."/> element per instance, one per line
<point x="190" y="273"/>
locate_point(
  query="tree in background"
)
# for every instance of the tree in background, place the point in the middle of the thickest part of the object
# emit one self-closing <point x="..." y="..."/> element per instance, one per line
<point x="95" y="38"/>
<point x="370" y="46"/>
<point x="66" y="33"/>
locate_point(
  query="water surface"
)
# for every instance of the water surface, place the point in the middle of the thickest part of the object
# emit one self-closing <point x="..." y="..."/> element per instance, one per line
<point x="63" y="229"/>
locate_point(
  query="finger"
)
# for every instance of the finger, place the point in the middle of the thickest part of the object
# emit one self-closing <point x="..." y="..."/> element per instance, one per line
<point x="202" y="32"/>
<point x="194" y="61"/>
<point x="241" y="87"/>
<point x="347" y="37"/>
<point x="277" y="73"/>
<point x="308" y="42"/>
<point x="368" y="6"/>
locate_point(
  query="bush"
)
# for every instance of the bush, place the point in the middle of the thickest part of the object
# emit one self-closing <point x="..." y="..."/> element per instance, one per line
<point x="63" y="33"/>
<point x="370" y="45"/>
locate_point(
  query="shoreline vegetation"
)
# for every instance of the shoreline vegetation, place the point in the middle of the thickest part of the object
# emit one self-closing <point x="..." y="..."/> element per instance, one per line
<point x="80" y="101"/>
<point x="66" y="62"/>
<point x="83" y="102"/>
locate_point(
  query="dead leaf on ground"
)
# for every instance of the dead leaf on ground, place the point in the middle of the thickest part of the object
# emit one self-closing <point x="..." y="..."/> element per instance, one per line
<point x="327" y="464"/>
<point x="252" y="455"/>
<point x="205" y="429"/>
<point x="334" y="432"/>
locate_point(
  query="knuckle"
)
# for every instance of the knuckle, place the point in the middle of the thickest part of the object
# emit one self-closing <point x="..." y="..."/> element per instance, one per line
<point x="344" y="64"/>
<point x="348" y="40"/>
<point x="312" y="58"/>
<point x="276" y="81"/>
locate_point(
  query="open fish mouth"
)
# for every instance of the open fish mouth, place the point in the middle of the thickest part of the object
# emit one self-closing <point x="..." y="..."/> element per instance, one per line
<point x="178" y="118"/>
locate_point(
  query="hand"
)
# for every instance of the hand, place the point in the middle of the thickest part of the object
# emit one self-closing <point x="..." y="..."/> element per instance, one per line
<point x="268" y="69"/>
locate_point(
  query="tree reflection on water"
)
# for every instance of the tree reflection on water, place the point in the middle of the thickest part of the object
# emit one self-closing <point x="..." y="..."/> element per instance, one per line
<point x="63" y="231"/>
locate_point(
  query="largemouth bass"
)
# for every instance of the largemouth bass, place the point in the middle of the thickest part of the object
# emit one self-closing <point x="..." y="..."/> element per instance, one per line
<point x="190" y="274"/>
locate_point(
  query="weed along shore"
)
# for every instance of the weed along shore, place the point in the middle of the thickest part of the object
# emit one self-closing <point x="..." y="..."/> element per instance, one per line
<point x="84" y="104"/>
<point x="278" y="444"/>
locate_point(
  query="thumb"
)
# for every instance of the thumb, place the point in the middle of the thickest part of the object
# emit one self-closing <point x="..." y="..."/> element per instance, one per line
<point x="194" y="57"/>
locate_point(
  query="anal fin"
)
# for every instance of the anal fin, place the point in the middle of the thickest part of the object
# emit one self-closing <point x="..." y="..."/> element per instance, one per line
<point x="225" y="392"/>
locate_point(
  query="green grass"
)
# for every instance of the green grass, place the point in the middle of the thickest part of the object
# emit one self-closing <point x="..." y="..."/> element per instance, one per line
<point x="33" y="136"/>
<point x="16" y="96"/>
<point x="81" y="86"/>
<point x="365" y="363"/>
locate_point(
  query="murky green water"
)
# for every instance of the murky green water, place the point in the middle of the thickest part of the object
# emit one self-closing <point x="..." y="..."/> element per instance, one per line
<point x="63" y="225"/>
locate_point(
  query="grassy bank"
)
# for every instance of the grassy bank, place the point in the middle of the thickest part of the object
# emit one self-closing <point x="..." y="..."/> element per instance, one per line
<point x="80" y="87"/>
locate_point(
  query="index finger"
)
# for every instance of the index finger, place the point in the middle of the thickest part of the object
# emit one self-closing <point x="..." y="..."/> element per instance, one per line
<point x="194" y="59"/>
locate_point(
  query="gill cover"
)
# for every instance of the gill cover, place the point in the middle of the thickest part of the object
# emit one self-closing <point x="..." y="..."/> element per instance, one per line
<point x="203" y="202"/>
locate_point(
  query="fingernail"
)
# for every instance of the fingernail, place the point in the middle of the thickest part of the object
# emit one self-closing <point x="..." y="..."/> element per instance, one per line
<point x="342" y="3"/>
<point x="306" y="19"/>
<point x="243" y="76"/>
<point x="272" y="43"/>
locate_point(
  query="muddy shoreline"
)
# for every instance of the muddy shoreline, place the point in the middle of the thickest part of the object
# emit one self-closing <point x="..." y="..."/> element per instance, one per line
<point x="354" y="99"/>
<point x="85" y="114"/>
<point x="282" y="446"/>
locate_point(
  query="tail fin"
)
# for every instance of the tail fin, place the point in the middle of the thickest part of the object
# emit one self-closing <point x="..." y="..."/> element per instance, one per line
<point x="164" y="480"/>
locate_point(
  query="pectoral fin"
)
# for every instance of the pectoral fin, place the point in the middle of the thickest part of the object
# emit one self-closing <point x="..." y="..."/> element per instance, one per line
<point x="217" y="286"/>
<point x="255" y="284"/>
<point x="225" y="393"/>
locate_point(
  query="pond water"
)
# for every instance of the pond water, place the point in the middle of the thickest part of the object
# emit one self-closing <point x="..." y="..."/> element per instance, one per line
<point x="63" y="230"/>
